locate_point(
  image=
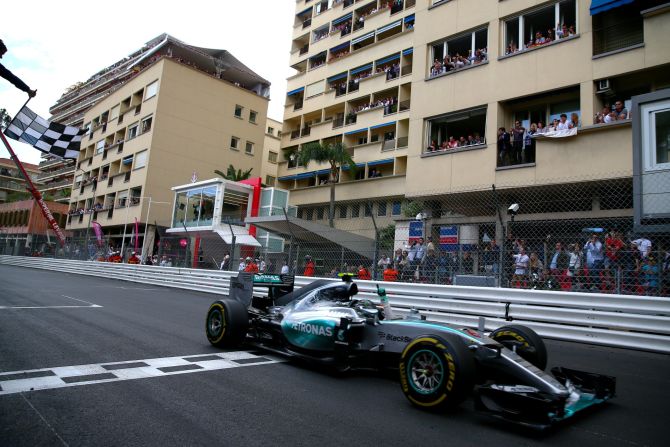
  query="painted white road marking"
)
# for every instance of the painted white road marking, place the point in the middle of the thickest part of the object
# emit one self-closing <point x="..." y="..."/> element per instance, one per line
<point x="89" y="305"/>
<point x="77" y="375"/>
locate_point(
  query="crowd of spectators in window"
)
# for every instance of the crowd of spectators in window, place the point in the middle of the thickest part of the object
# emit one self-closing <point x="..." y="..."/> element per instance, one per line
<point x="343" y="28"/>
<point x="473" y="139"/>
<point x="457" y="61"/>
<point x="517" y="145"/>
<point x="611" y="114"/>
<point x="541" y="38"/>
<point x="387" y="103"/>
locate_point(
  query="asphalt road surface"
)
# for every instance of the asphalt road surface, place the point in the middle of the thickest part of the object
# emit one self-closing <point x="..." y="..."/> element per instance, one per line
<point x="91" y="361"/>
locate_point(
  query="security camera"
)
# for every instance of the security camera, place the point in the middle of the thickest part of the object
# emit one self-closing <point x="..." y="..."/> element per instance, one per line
<point x="421" y="216"/>
<point x="513" y="209"/>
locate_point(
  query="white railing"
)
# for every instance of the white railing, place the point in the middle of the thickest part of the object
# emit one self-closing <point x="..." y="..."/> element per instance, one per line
<point x="635" y="322"/>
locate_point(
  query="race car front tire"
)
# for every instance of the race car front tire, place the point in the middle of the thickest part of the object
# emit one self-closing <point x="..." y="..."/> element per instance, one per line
<point x="524" y="341"/>
<point x="227" y="323"/>
<point x="436" y="372"/>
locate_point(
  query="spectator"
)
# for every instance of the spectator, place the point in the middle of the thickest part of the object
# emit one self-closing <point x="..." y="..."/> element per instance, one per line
<point x="391" y="273"/>
<point x="242" y="265"/>
<point x="284" y="268"/>
<point x="517" y="142"/>
<point x="644" y="245"/>
<point x="563" y="124"/>
<point x="620" y="110"/>
<point x="503" y="144"/>
<point x="430" y="266"/>
<point x="309" y="266"/>
<point x="252" y="266"/>
<point x="225" y="263"/>
<point x="363" y="273"/>
<point x="650" y="272"/>
<point x="467" y="263"/>
<point x="521" y="261"/>
<point x="594" y="260"/>
<point x="574" y="120"/>
<point x="629" y="259"/>
<point x="133" y="259"/>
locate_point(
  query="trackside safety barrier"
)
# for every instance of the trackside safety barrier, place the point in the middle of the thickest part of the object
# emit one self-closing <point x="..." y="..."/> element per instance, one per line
<point x="635" y="322"/>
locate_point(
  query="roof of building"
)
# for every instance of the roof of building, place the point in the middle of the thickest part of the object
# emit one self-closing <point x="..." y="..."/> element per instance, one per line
<point x="10" y="163"/>
<point x="219" y="63"/>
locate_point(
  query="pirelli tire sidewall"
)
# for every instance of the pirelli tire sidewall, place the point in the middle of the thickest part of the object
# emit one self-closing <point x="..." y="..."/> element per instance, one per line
<point x="457" y="365"/>
<point x="227" y="323"/>
<point x="529" y="345"/>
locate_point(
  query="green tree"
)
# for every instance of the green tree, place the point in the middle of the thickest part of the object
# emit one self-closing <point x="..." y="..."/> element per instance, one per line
<point x="336" y="155"/>
<point x="234" y="175"/>
<point x="5" y="119"/>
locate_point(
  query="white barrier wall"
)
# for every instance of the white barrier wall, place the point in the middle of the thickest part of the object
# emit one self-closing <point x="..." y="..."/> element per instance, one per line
<point x="635" y="322"/>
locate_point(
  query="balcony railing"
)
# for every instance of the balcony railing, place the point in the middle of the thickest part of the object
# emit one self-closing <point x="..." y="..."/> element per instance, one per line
<point x="338" y="122"/>
<point x="295" y="134"/>
<point x="56" y="172"/>
<point x="388" y="145"/>
<point x="404" y="105"/>
<point x="306" y="23"/>
<point x="297" y="106"/>
<point x="306" y="131"/>
<point x="403" y="142"/>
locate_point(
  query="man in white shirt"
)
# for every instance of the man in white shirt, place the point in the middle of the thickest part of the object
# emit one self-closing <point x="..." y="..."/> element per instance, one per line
<point x="284" y="268"/>
<point x="521" y="267"/>
<point x="563" y="123"/>
<point x="644" y="245"/>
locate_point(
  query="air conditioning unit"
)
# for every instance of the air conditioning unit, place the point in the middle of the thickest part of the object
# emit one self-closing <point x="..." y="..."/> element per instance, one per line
<point x="604" y="86"/>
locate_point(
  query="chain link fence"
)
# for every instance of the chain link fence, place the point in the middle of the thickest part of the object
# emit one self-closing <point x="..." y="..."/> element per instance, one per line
<point x="565" y="235"/>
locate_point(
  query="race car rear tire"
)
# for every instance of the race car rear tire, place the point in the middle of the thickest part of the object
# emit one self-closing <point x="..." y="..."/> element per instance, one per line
<point x="436" y="372"/>
<point x="528" y="344"/>
<point x="227" y="323"/>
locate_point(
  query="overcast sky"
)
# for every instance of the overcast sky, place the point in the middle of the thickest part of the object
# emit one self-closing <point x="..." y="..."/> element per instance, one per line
<point x="53" y="44"/>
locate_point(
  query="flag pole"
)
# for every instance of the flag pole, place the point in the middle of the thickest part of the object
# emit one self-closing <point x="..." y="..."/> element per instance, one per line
<point x="33" y="191"/>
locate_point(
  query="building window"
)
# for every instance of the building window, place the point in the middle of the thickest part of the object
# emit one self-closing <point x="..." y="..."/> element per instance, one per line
<point x="459" y="52"/>
<point x="270" y="180"/>
<point x="272" y="157"/>
<point x="343" y="211"/>
<point x="309" y="212"/>
<point x="238" y="111"/>
<point x="234" y="141"/>
<point x="540" y="26"/>
<point x="132" y="131"/>
<point x="621" y="27"/>
<point x="252" y="116"/>
<point x="396" y="208"/>
<point x="655" y="119"/>
<point x="355" y="210"/>
<point x="146" y="124"/>
<point x="100" y="147"/>
<point x="249" y="149"/>
<point x="368" y="209"/>
<point x="141" y="159"/>
<point x="319" y="213"/>
<point x="151" y="90"/>
<point x="381" y="209"/>
<point x="456" y="130"/>
<point x="271" y="130"/>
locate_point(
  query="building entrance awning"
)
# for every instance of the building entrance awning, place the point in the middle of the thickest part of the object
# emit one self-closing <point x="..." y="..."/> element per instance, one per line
<point x="242" y="236"/>
<point x="308" y="231"/>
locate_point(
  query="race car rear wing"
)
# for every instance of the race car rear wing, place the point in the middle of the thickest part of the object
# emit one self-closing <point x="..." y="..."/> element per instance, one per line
<point x="242" y="287"/>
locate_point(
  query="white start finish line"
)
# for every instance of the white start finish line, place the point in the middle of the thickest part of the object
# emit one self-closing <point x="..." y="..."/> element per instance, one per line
<point x="77" y="375"/>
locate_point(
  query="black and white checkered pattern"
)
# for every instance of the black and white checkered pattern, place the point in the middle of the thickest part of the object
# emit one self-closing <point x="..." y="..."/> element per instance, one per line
<point x="54" y="138"/>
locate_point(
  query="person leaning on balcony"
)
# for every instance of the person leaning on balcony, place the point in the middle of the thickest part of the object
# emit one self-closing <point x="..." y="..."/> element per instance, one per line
<point x="563" y="124"/>
<point x="11" y="77"/>
<point x="620" y="110"/>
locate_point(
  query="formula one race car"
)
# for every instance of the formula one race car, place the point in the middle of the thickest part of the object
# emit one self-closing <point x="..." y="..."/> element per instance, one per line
<point x="440" y="364"/>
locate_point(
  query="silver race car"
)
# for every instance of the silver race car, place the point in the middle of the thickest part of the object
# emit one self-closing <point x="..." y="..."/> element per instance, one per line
<point x="439" y="364"/>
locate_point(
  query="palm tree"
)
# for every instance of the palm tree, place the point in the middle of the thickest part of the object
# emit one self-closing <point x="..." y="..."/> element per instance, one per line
<point x="5" y="119"/>
<point x="336" y="155"/>
<point x="234" y="175"/>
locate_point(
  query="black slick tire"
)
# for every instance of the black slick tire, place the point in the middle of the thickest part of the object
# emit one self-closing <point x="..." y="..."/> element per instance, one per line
<point x="226" y="324"/>
<point x="524" y="341"/>
<point x="436" y="372"/>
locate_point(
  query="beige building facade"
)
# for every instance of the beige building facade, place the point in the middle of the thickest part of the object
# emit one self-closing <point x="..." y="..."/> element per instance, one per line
<point x="271" y="151"/>
<point x="466" y="69"/>
<point x="180" y="117"/>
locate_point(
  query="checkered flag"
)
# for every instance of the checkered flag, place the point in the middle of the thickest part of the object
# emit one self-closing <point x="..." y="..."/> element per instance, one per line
<point x="53" y="138"/>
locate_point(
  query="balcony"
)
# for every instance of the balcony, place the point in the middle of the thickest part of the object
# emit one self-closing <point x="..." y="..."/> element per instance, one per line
<point x="387" y="186"/>
<point x="66" y="170"/>
<point x="623" y="35"/>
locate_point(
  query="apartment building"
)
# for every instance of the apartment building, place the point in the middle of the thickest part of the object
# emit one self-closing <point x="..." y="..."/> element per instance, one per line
<point x="185" y="112"/>
<point x="12" y="184"/>
<point x="467" y="69"/>
<point x="353" y="84"/>
<point x="56" y="174"/>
